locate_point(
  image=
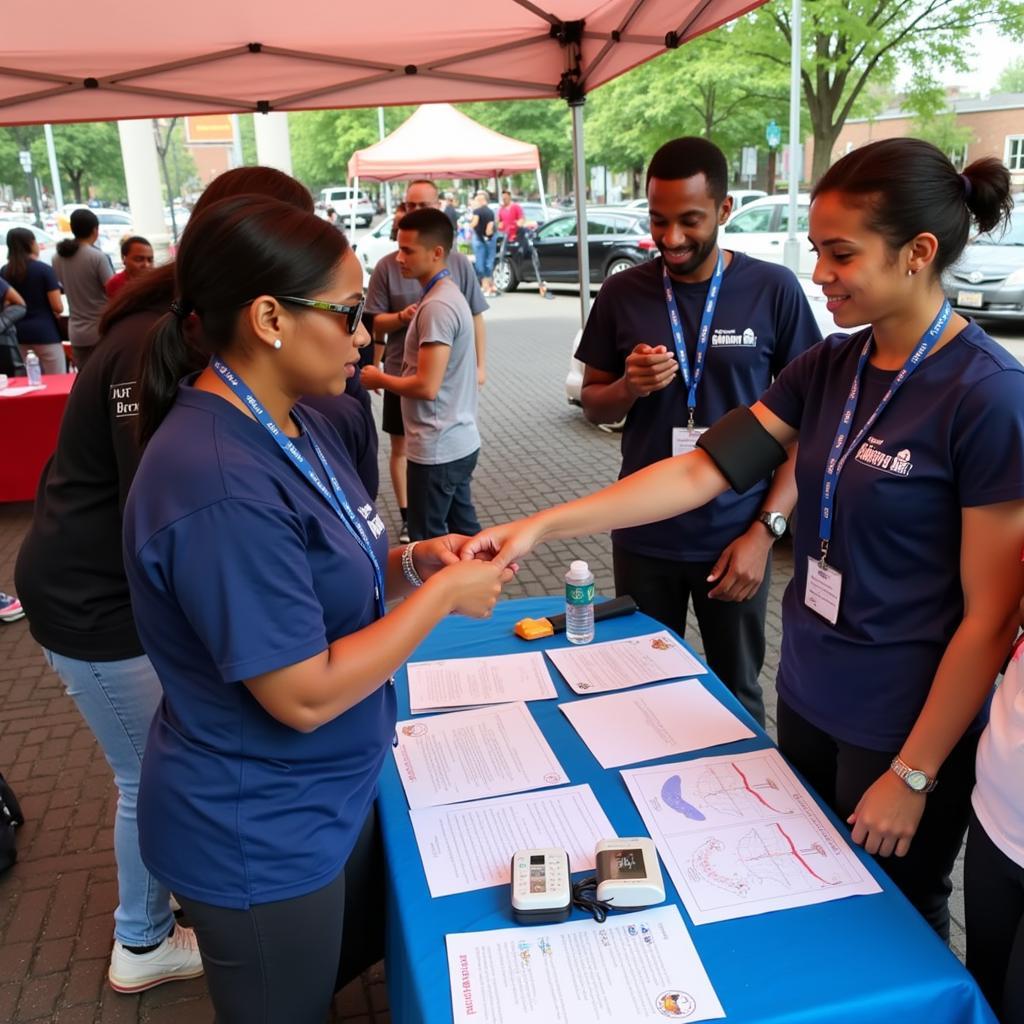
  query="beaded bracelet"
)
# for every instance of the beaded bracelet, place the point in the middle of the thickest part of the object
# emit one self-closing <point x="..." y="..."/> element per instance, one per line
<point x="409" y="567"/>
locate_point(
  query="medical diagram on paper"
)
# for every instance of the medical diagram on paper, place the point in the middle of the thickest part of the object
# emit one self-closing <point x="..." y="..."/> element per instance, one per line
<point x="741" y="836"/>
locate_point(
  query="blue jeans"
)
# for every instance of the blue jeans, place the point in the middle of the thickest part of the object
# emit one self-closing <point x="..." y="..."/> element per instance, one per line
<point x="483" y="255"/>
<point x="117" y="699"/>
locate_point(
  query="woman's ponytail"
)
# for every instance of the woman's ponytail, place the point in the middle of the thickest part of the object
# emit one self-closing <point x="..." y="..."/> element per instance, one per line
<point x="987" y="193"/>
<point x="168" y="355"/>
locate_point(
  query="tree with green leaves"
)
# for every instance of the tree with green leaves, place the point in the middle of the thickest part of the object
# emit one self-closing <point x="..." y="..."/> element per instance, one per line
<point x="849" y="43"/>
<point x="1011" y="78"/>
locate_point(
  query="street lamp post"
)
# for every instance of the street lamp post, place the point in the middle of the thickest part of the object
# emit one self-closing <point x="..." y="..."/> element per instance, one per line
<point x="792" y="247"/>
<point x="773" y="136"/>
<point x="25" y="157"/>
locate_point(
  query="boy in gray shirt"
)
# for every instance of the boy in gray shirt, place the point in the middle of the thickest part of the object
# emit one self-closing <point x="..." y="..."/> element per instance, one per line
<point x="438" y="385"/>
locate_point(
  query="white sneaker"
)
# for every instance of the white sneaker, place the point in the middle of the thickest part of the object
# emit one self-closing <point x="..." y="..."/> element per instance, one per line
<point x="175" y="959"/>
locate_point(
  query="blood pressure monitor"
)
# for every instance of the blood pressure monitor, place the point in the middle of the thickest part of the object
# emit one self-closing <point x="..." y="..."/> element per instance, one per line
<point x="541" y="886"/>
<point x="628" y="873"/>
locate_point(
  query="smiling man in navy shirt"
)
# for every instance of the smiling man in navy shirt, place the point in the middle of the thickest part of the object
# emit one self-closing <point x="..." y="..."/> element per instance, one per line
<point x="672" y="345"/>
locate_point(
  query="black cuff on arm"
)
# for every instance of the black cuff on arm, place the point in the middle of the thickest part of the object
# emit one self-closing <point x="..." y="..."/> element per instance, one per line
<point x="744" y="452"/>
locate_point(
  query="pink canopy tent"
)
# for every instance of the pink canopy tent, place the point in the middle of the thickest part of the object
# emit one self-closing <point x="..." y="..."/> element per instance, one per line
<point x="438" y="141"/>
<point x="121" y="61"/>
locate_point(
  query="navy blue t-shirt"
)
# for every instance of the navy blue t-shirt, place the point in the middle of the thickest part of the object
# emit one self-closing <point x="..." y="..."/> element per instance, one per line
<point x="38" y="326"/>
<point x="238" y="567"/>
<point x="761" y="323"/>
<point x="952" y="438"/>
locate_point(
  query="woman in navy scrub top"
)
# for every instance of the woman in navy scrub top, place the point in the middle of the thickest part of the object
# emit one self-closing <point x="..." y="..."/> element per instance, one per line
<point x="258" y="591"/>
<point x="893" y="630"/>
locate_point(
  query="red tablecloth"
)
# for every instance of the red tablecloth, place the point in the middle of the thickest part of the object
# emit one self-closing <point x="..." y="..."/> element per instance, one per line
<point x="29" y="424"/>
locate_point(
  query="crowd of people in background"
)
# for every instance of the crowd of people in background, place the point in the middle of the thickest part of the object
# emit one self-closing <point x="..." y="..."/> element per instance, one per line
<point x="180" y="571"/>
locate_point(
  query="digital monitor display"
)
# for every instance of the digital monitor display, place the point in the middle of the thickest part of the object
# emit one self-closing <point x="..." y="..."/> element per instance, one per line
<point x="621" y="864"/>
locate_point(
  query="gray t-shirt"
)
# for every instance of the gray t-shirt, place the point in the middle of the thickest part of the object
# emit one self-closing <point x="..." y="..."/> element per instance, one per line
<point x="83" y="277"/>
<point x="389" y="292"/>
<point x="444" y="429"/>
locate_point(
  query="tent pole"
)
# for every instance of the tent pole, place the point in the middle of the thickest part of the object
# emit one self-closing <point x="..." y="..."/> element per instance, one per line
<point x="543" y="198"/>
<point x="579" y="167"/>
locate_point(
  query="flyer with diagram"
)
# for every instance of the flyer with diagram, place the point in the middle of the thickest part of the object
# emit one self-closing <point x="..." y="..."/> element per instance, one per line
<point x="742" y="836"/>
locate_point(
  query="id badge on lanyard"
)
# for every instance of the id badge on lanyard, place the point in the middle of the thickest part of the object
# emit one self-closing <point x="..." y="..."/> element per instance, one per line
<point x="824" y="586"/>
<point x="684" y="439"/>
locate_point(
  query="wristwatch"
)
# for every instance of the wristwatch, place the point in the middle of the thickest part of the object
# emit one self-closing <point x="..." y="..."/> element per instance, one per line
<point x="774" y="523"/>
<point x="915" y="779"/>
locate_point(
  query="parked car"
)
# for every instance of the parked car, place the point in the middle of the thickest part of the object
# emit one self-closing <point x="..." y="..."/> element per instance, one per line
<point x="619" y="238"/>
<point x="988" y="279"/>
<point x="761" y="228"/>
<point x="742" y="197"/>
<point x="341" y="198"/>
<point x="47" y="243"/>
<point x="375" y="244"/>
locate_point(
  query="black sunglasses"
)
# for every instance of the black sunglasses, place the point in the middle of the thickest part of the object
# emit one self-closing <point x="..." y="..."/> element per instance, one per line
<point x="354" y="313"/>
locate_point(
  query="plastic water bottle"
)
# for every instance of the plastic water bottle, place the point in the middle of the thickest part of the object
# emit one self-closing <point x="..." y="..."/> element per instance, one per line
<point x="579" y="604"/>
<point x="35" y="371"/>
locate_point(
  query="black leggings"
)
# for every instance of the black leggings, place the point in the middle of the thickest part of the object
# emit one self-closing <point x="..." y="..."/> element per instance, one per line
<point x="842" y="772"/>
<point x="281" y="963"/>
<point x="994" y="901"/>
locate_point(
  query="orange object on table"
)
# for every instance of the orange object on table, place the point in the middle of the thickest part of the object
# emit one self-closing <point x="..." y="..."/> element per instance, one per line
<point x="30" y="422"/>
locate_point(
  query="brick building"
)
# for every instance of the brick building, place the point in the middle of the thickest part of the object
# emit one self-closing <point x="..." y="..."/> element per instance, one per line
<point x="996" y="123"/>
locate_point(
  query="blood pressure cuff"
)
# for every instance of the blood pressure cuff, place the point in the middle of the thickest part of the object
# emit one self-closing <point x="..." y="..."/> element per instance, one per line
<point x="744" y="452"/>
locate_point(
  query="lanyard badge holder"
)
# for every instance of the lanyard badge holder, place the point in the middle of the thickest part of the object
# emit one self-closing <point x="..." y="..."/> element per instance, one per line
<point x="684" y="439"/>
<point x="334" y="496"/>
<point x="824" y="582"/>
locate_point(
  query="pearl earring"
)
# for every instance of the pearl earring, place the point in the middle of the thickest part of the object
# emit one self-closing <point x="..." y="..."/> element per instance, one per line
<point x="277" y="343"/>
<point x="910" y="273"/>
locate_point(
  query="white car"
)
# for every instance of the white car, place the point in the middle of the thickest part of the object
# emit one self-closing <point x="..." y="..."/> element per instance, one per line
<point x="744" y="196"/>
<point x="47" y="243"/>
<point x="375" y="244"/>
<point x="761" y="228"/>
<point x="341" y="197"/>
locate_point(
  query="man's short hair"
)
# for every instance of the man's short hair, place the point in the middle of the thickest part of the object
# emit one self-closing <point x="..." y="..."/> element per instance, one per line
<point x="423" y="181"/>
<point x="483" y="194"/>
<point x="127" y="243"/>
<point x="690" y="155"/>
<point x="432" y="226"/>
<point x="506" y="192"/>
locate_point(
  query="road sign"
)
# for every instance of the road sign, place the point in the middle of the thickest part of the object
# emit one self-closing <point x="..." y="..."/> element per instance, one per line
<point x="773" y="133"/>
<point x="26" y="160"/>
<point x="748" y="164"/>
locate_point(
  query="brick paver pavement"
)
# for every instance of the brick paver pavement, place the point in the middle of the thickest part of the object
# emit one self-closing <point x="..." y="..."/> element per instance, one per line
<point x="56" y="904"/>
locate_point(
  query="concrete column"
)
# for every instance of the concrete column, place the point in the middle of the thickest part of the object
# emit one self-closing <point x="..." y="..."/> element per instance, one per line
<point x="142" y="176"/>
<point x="273" y="147"/>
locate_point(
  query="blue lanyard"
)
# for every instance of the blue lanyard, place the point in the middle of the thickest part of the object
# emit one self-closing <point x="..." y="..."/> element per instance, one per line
<point x="692" y="381"/>
<point x="841" y="451"/>
<point x="437" y="277"/>
<point x="335" y="496"/>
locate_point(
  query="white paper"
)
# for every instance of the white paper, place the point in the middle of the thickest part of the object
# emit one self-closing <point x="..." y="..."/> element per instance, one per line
<point x="616" y="664"/>
<point x="470" y="846"/>
<point x="464" y="682"/>
<point x="634" y="967"/>
<point x="741" y="836"/>
<point x="684" y="440"/>
<point x="23" y="389"/>
<point x="468" y="755"/>
<point x="658" y="721"/>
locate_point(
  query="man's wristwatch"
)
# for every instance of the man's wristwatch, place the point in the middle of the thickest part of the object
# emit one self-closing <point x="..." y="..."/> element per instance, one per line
<point x="916" y="780"/>
<point x="774" y="523"/>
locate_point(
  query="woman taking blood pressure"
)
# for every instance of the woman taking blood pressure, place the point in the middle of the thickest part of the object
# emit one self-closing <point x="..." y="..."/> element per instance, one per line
<point x="910" y="511"/>
<point x="258" y="569"/>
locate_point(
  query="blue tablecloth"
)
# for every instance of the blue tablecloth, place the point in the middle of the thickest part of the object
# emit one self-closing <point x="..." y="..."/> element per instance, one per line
<point x="867" y="958"/>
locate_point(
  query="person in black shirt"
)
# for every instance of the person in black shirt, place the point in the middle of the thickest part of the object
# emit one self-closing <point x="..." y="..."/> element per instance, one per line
<point x="484" y="242"/>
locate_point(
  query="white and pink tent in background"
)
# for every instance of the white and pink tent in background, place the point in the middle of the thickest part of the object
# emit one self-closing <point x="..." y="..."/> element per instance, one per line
<point x="438" y="141"/>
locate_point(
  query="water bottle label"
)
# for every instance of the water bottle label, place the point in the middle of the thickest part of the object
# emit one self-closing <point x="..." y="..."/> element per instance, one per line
<point x="579" y="595"/>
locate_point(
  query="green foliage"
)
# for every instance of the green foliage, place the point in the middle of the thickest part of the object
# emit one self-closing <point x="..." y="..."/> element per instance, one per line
<point x="699" y="89"/>
<point x="933" y="119"/>
<point x="322" y="141"/>
<point x="846" y="44"/>
<point x="1011" y="79"/>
